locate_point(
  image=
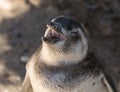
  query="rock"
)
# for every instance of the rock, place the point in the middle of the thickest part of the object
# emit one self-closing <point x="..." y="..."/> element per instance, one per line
<point x="24" y="59"/>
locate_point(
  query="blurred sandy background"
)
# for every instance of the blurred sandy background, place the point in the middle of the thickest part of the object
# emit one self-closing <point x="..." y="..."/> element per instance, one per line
<point x="23" y="22"/>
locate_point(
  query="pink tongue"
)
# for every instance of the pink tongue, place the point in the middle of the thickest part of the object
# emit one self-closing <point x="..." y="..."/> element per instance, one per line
<point x="62" y="37"/>
<point x="53" y="33"/>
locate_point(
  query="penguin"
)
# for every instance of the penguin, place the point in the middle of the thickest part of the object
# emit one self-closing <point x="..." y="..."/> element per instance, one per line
<point x="64" y="63"/>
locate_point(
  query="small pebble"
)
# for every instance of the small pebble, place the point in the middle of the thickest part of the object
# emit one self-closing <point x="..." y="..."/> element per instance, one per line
<point x="24" y="59"/>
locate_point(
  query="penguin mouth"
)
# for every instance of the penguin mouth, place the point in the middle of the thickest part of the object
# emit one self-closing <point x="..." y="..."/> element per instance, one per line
<point x="52" y="35"/>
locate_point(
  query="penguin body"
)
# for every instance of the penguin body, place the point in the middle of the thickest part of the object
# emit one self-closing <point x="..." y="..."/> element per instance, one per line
<point x="63" y="62"/>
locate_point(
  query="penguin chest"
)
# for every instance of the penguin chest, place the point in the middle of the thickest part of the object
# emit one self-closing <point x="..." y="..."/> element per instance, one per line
<point x="60" y="82"/>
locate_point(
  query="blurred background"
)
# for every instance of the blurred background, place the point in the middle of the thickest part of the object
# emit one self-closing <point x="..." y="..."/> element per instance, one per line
<point x="23" y="22"/>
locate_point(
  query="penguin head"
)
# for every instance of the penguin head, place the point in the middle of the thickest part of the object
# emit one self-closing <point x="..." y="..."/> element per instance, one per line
<point x="64" y="30"/>
<point x="66" y="38"/>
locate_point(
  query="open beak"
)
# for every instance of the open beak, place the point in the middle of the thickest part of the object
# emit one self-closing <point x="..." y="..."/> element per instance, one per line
<point x="53" y="34"/>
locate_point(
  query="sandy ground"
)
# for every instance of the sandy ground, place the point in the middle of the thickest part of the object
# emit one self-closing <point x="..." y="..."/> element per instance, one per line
<point x="22" y="24"/>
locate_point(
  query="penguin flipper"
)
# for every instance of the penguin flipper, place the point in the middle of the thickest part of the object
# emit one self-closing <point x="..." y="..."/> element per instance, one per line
<point x="109" y="85"/>
<point x="26" y="87"/>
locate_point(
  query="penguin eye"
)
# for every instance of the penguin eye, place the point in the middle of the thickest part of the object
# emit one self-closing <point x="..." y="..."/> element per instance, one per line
<point x="55" y="27"/>
<point x="74" y="32"/>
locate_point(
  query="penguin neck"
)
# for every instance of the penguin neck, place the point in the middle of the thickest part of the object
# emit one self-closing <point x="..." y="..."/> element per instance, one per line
<point x="55" y="56"/>
<point x="88" y="64"/>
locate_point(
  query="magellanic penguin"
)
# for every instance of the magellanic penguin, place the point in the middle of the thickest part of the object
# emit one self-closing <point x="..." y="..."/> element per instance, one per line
<point x="63" y="63"/>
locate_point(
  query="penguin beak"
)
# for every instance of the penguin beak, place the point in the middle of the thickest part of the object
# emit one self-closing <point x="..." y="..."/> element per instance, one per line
<point x="53" y="34"/>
